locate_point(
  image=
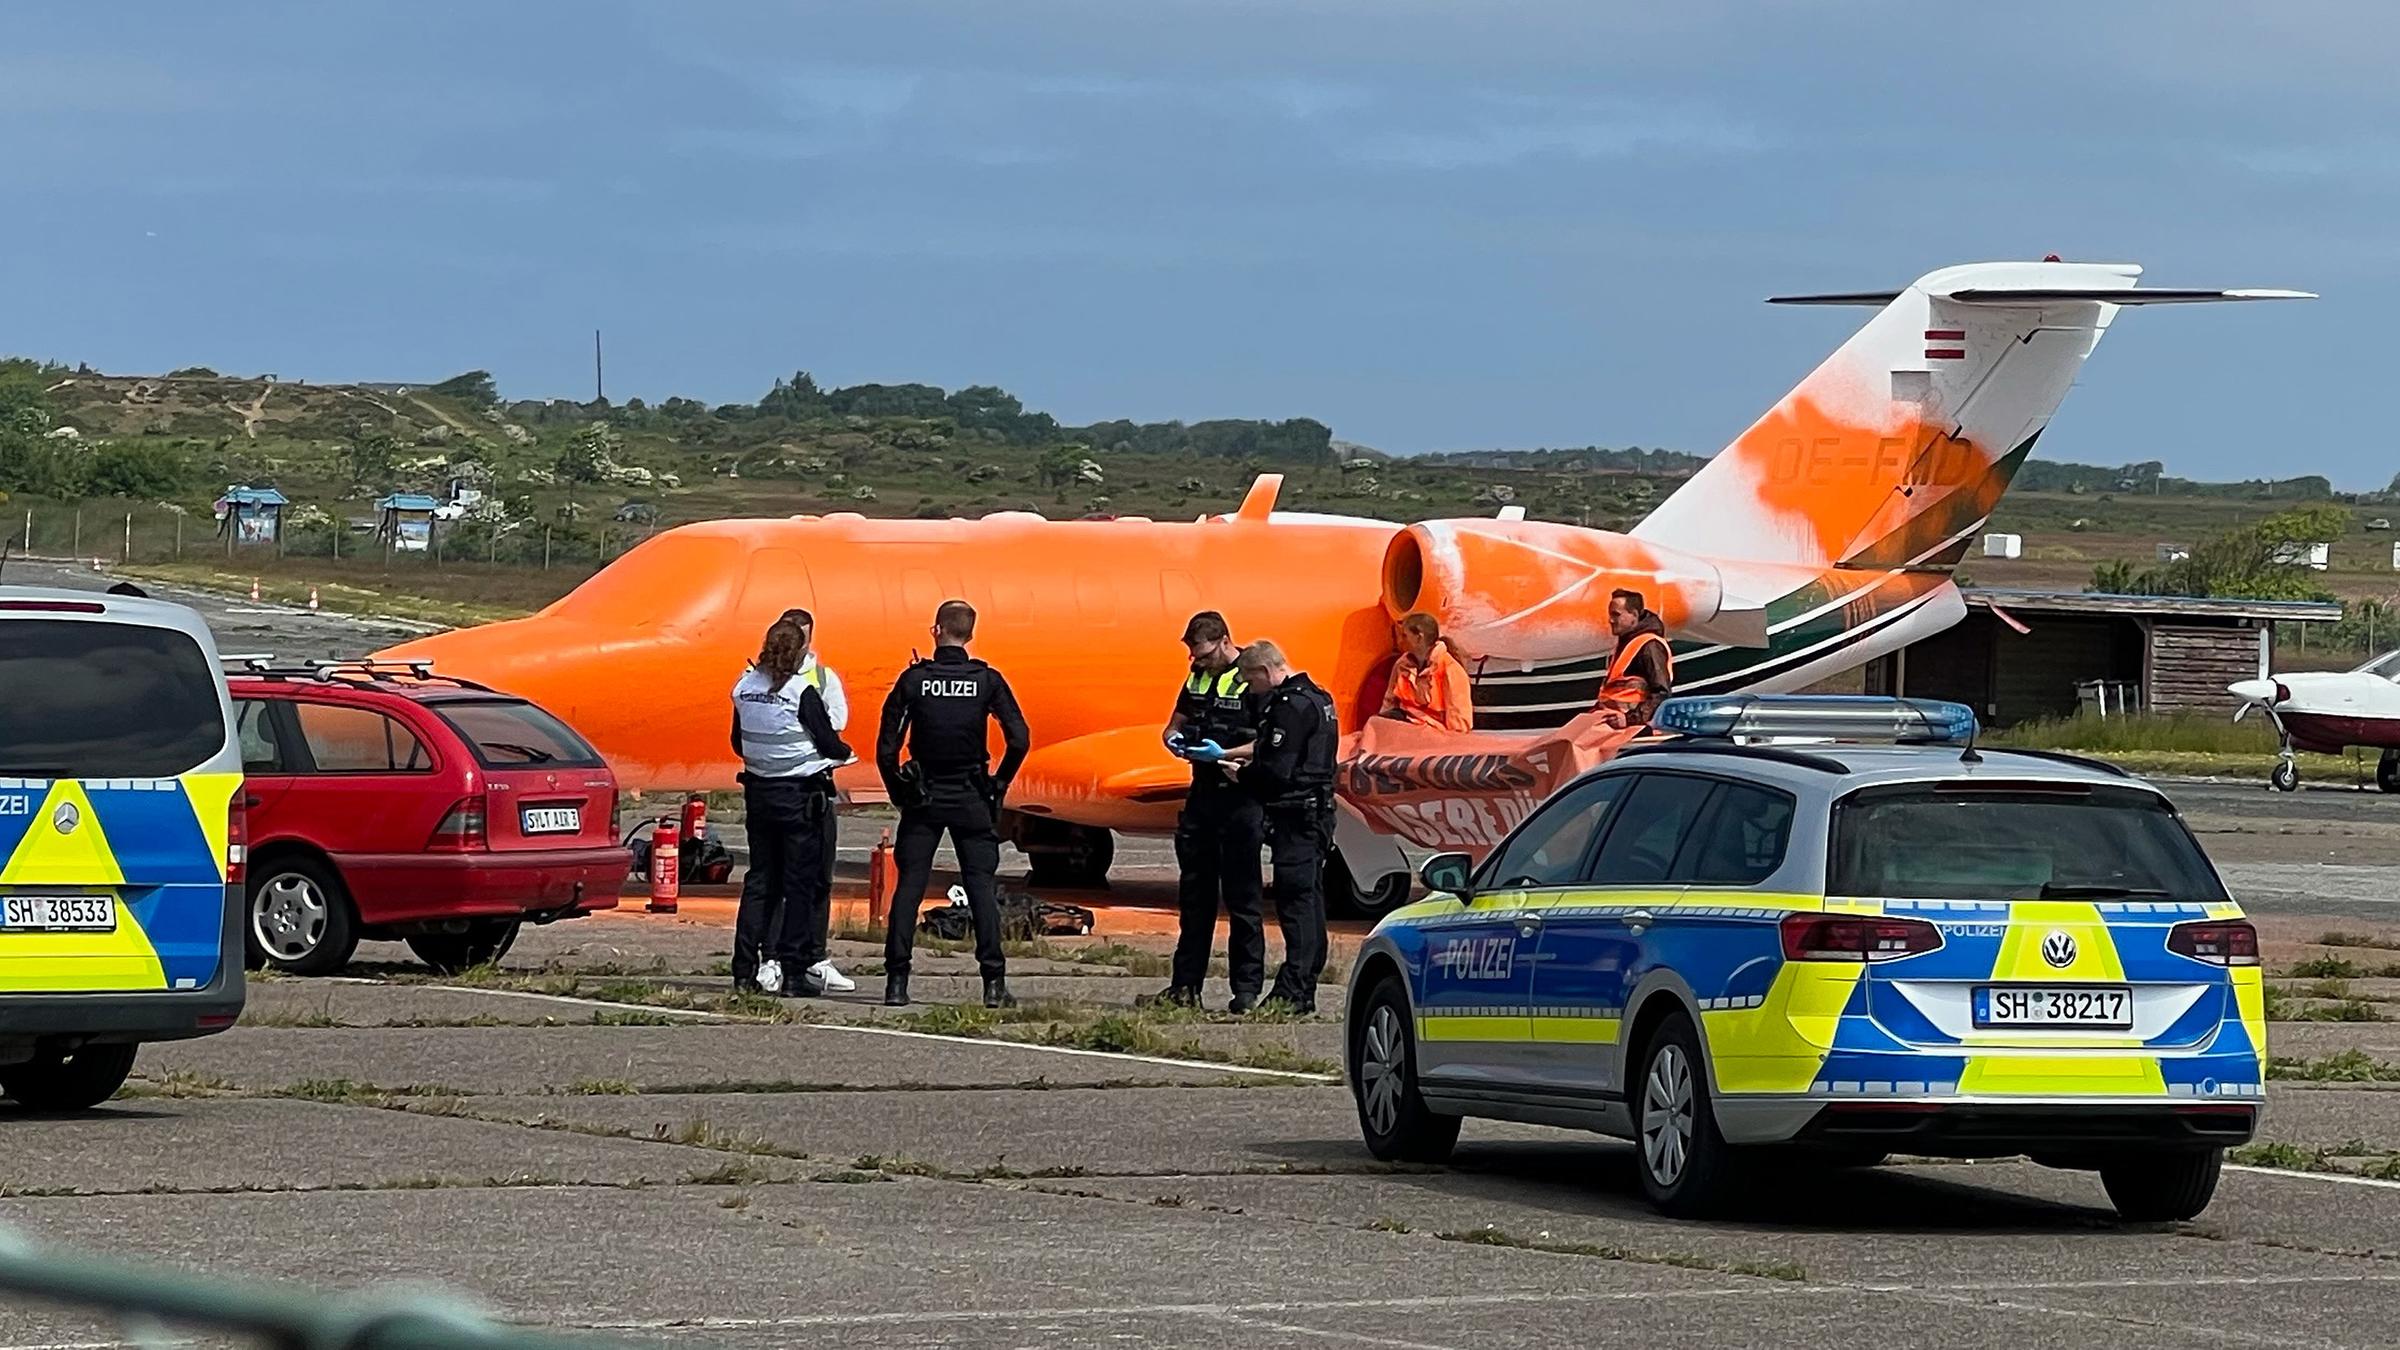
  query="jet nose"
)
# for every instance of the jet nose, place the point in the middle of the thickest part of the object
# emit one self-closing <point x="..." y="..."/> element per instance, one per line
<point x="2256" y="691"/>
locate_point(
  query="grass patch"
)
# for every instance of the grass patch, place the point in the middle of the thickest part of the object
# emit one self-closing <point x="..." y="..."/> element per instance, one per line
<point x="348" y="1092"/>
<point x="2324" y="968"/>
<point x="2289" y="1157"/>
<point x="179" y="1083"/>
<point x="2347" y="1010"/>
<point x="2183" y="733"/>
<point x="620" y="1017"/>
<point x="2349" y="1066"/>
<point x="283" y="1018"/>
<point x="734" y="1172"/>
<point x="697" y="1132"/>
<point x="2337" y="938"/>
<point x="850" y="1176"/>
<point x="895" y="1167"/>
<point x="599" y="1087"/>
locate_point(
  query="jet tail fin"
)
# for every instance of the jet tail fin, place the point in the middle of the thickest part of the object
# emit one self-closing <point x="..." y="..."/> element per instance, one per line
<point x="1893" y="452"/>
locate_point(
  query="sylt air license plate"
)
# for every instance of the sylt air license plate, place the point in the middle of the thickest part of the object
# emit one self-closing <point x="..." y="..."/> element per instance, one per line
<point x="2096" y="1007"/>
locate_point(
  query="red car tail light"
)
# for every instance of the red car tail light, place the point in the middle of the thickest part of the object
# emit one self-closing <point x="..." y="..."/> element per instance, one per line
<point x="2219" y="942"/>
<point x="1842" y="937"/>
<point x="237" y="837"/>
<point x="462" y="829"/>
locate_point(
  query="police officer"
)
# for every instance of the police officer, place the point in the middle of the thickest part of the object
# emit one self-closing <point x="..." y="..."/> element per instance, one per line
<point x="1218" y="834"/>
<point x="1288" y="767"/>
<point x="941" y="706"/>
<point x="788" y="711"/>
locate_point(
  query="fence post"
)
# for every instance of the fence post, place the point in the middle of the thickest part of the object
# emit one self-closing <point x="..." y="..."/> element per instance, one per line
<point x="545" y="548"/>
<point x="179" y="536"/>
<point x="76" y="546"/>
<point x="128" y="538"/>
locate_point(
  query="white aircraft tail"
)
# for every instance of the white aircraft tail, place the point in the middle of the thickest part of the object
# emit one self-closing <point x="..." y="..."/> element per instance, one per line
<point x="1894" y="451"/>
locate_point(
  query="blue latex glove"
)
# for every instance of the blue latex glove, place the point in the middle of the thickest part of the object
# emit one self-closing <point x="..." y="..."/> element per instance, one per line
<point x="1206" y="752"/>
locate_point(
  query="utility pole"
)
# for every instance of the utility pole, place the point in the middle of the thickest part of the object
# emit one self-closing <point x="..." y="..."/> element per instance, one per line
<point x="599" y="389"/>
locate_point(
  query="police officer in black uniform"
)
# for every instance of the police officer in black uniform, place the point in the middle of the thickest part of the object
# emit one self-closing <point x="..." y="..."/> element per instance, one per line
<point x="941" y="706"/>
<point x="1289" y="769"/>
<point x="1219" y="832"/>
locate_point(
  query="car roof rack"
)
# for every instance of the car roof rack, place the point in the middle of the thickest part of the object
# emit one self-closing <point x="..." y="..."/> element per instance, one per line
<point x="363" y="671"/>
<point x="1693" y="745"/>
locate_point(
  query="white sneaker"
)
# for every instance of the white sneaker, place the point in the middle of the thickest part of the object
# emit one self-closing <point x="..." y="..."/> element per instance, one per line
<point x="835" y="981"/>
<point x="770" y="976"/>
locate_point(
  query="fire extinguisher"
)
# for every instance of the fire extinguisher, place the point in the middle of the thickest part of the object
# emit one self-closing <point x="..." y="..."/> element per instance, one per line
<point x="879" y="880"/>
<point x="695" y="818"/>
<point x="666" y="866"/>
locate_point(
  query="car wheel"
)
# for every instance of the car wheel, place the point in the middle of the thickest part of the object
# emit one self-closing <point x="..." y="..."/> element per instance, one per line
<point x="299" y="920"/>
<point x="485" y="941"/>
<point x="82" y="1078"/>
<point x="2162" y="1187"/>
<point x="1392" y="1114"/>
<point x="1345" y="897"/>
<point x="1686" y="1166"/>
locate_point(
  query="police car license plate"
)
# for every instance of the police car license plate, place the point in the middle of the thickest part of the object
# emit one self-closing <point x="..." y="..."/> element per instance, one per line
<point x="2106" y="1007"/>
<point x="553" y="820"/>
<point x="58" y="914"/>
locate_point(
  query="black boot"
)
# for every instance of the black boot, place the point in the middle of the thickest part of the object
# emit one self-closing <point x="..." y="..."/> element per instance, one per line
<point x="895" y="991"/>
<point x="995" y="993"/>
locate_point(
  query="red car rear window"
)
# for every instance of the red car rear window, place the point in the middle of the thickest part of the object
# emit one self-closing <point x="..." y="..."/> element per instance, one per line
<point x="512" y="734"/>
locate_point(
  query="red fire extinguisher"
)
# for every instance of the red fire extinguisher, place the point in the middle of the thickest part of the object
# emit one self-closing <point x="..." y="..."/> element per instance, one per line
<point x="879" y="880"/>
<point x="666" y="866"/>
<point x="695" y="817"/>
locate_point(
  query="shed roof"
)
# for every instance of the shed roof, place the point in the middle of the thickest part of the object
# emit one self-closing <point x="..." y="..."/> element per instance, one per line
<point x="406" y="501"/>
<point x="2154" y="606"/>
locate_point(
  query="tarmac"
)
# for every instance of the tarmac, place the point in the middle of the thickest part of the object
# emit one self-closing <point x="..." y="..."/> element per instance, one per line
<point x="597" y="1140"/>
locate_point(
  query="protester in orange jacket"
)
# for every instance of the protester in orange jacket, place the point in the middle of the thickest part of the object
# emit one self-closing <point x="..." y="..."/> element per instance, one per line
<point x="1429" y="686"/>
<point x="1642" y="673"/>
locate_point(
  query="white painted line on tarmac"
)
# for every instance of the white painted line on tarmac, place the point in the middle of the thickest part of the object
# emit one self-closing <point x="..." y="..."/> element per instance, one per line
<point x="2338" y="1178"/>
<point x="1005" y="1044"/>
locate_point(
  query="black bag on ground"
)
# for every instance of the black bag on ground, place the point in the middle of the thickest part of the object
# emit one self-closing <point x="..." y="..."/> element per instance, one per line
<point x="1022" y="919"/>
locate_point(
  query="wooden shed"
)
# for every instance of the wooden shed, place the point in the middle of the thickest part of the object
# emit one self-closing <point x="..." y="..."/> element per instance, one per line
<point x="2021" y="654"/>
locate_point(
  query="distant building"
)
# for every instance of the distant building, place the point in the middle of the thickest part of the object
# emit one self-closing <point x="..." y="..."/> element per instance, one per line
<point x="2022" y="654"/>
<point x="250" y="516"/>
<point x="407" y="521"/>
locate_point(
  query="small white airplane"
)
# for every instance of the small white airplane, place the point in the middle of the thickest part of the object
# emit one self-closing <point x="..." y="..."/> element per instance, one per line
<point x="2329" y="711"/>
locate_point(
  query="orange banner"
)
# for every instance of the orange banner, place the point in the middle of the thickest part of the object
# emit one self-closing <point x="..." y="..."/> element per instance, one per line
<point x="1463" y="792"/>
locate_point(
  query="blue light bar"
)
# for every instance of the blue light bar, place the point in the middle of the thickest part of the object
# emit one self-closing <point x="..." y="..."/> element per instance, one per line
<point x="1840" y="717"/>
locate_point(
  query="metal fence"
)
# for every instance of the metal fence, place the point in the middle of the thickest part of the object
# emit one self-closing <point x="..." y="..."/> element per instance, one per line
<point x="147" y="1301"/>
<point x="126" y="531"/>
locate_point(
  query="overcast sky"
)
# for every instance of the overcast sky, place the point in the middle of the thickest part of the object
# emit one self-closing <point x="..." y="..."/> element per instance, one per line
<point x="1432" y="225"/>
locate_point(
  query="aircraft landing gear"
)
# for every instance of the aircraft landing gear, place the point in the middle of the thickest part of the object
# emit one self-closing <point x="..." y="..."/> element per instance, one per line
<point x="2387" y="771"/>
<point x="2285" y="777"/>
<point x="1061" y="854"/>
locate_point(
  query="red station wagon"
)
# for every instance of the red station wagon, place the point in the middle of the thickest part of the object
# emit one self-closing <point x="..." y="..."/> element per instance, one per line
<point x="386" y="802"/>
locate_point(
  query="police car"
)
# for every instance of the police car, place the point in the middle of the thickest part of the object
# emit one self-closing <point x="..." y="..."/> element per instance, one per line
<point x="121" y="840"/>
<point x="1834" y="927"/>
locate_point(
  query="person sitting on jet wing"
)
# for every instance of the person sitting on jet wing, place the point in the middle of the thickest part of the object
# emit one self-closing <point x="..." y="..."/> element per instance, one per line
<point x="1642" y="673"/>
<point x="1429" y="687"/>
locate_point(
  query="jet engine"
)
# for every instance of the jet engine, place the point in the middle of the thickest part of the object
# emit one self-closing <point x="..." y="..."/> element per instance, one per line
<point x="1529" y="590"/>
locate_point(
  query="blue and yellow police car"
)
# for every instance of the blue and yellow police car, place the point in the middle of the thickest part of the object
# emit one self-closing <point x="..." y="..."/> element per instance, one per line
<point x="120" y="840"/>
<point x="1818" y="931"/>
